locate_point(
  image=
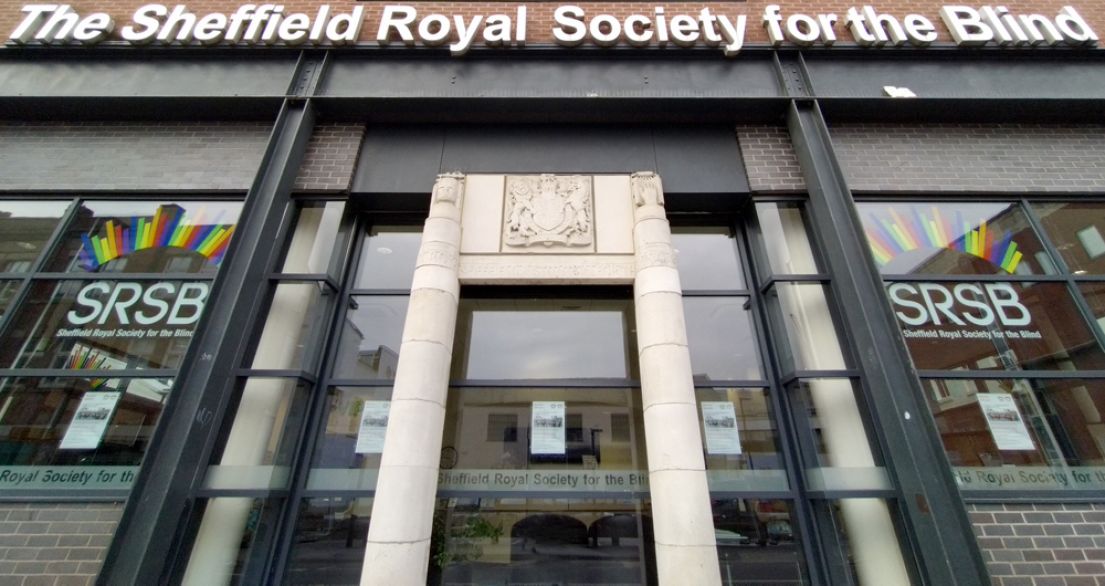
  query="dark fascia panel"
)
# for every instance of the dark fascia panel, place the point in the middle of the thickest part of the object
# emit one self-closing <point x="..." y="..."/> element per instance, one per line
<point x="1068" y="75"/>
<point x="520" y="75"/>
<point x="146" y="74"/>
<point x="693" y="160"/>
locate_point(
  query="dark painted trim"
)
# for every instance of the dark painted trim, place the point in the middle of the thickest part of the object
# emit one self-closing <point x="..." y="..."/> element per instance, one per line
<point x="929" y="501"/>
<point x="177" y="458"/>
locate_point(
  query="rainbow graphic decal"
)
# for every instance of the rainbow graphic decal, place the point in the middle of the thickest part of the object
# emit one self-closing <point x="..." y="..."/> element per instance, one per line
<point x="891" y="234"/>
<point x="169" y="227"/>
<point x="82" y="357"/>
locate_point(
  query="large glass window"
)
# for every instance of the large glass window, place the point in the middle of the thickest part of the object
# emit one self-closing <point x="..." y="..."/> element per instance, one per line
<point x="988" y="348"/>
<point x="105" y="295"/>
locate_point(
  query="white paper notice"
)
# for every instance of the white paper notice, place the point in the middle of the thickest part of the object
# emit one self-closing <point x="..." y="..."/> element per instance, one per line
<point x="547" y="435"/>
<point x="719" y="419"/>
<point x="1004" y="420"/>
<point x="374" y="425"/>
<point x="90" y="421"/>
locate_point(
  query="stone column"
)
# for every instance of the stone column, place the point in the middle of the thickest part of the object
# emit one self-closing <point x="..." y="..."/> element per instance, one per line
<point x="685" y="549"/>
<point x="398" y="548"/>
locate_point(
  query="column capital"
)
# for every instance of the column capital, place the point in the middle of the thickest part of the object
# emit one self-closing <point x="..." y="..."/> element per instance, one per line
<point x="647" y="189"/>
<point x="448" y="188"/>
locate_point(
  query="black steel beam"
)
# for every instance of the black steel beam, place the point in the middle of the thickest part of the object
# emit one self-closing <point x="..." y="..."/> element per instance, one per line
<point x="181" y="448"/>
<point x="945" y="546"/>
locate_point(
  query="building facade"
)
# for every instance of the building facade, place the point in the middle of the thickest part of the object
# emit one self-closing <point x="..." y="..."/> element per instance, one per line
<point x="539" y="293"/>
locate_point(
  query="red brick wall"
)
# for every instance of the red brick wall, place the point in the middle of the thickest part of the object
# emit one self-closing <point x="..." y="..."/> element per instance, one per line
<point x="540" y="13"/>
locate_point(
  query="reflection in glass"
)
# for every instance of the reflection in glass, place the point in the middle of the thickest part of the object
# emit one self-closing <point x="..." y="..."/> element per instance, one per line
<point x="8" y="289"/>
<point x="994" y="326"/>
<point x="1076" y="230"/>
<point x="388" y="258"/>
<point x="740" y="440"/>
<point x="25" y="228"/>
<point x="542" y="541"/>
<point x="949" y="238"/>
<point x="527" y="339"/>
<point x="785" y="239"/>
<point x="833" y="431"/>
<point x="1022" y="434"/>
<point x="147" y="237"/>
<point x="800" y="314"/>
<point x="329" y="543"/>
<point x="104" y="324"/>
<point x="40" y="415"/>
<point x="338" y="464"/>
<point x="603" y="430"/>
<point x="707" y="258"/>
<point x="259" y="449"/>
<point x="232" y="544"/>
<point x="314" y="238"/>
<point x="294" y="325"/>
<point x="370" y="338"/>
<point x="721" y="340"/>
<point x="757" y="543"/>
<point x="870" y="552"/>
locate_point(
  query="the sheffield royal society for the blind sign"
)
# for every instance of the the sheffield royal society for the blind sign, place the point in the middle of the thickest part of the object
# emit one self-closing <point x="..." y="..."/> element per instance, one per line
<point x="271" y="24"/>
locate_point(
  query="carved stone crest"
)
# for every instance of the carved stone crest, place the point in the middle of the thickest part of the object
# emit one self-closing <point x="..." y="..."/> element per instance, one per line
<point x="548" y="210"/>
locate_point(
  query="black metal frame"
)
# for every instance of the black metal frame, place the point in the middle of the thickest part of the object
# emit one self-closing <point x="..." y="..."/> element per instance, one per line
<point x="156" y="516"/>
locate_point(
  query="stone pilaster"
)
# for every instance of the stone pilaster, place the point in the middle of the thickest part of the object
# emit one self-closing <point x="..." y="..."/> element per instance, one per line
<point x="398" y="547"/>
<point x="685" y="548"/>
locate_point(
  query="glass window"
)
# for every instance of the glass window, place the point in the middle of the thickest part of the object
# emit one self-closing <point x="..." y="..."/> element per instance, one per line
<point x="147" y="237"/>
<point x="721" y="340"/>
<point x="707" y="258"/>
<point x="293" y="331"/>
<point x="801" y="316"/>
<point x="563" y="439"/>
<point x="25" y="230"/>
<point x="329" y="542"/>
<point x="542" y="541"/>
<point x="104" y="324"/>
<point x="993" y="326"/>
<point x="836" y="443"/>
<point x="869" y="552"/>
<point x="952" y="238"/>
<point x="8" y="290"/>
<point x="388" y="258"/>
<point x="740" y="440"/>
<point x="260" y="448"/>
<point x="315" y="237"/>
<point x="91" y="432"/>
<point x="347" y="455"/>
<point x="1022" y="434"/>
<point x="785" y="240"/>
<point x="233" y="541"/>
<point x="1076" y="230"/>
<point x="757" y="543"/>
<point x="372" y="332"/>
<point x="527" y="339"/>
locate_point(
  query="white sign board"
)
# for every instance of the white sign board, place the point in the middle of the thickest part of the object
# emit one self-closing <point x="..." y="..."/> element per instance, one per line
<point x="547" y="428"/>
<point x="90" y="421"/>
<point x="1004" y="420"/>
<point x="374" y="425"/>
<point x="719" y="420"/>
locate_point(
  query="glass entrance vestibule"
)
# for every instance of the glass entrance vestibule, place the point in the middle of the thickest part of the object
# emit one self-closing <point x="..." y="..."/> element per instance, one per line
<point x="552" y="381"/>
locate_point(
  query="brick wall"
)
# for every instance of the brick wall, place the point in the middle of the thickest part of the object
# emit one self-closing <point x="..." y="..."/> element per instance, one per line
<point x="769" y="159"/>
<point x="1007" y="158"/>
<point x="331" y="157"/>
<point x="130" y="156"/>
<point x="58" y="544"/>
<point x="1042" y="544"/>
<point x="541" y="21"/>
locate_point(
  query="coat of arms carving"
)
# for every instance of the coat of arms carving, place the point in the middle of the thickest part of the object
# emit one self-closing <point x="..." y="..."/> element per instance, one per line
<point x="548" y="210"/>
